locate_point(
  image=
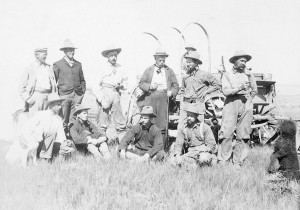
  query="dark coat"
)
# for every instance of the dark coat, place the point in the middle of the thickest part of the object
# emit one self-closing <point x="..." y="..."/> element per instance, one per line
<point x="69" y="78"/>
<point x="146" y="79"/>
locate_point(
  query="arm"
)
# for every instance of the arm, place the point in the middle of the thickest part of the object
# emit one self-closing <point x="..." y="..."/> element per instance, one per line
<point x="174" y="84"/>
<point x="143" y="84"/>
<point x="209" y="138"/>
<point x="126" y="140"/>
<point x="79" y="137"/>
<point x="61" y="137"/>
<point x="214" y="83"/>
<point x="179" y="142"/>
<point x="158" y="142"/>
<point x="82" y="80"/>
<point x="253" y="85"/>
<point x="227" y="89"/>
<point x="95" y="131"/>
<point x="23" y="84"/>
<point x="56" y="72"/>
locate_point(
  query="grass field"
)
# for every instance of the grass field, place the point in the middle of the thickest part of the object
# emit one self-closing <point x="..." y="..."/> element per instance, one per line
<point x="87" y="183"/>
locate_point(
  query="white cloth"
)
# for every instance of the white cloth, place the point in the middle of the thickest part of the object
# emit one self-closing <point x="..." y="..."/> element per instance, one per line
<point x="42" y="78"/>
<point x="159" y="77"/>
<point x="114" y="76"/>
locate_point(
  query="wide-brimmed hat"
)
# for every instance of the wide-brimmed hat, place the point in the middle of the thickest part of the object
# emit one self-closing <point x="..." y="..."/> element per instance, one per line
<point x="190" y="46"/>
<point x="147" y="110"/>
<point x="68" y="44"/>
<point x="40" y="49"/>
<point x="79" y="108"/>
<point x="194" y="55"/>
<point x="238" y="54"/>
<point x="109" y="49"/>
<point x="161" y="52"/>
<point x="53" y="97"/>
<point x="194" y="109"/>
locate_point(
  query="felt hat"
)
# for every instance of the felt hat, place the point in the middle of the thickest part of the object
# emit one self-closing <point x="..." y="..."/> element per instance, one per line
<point x="40" y="49"/>
<point x="67" y="44"/>
<point x="190" y="46"/>
<point x="194" y="109"/>
<point x="109" y="49"/>
<point x="147" y="110"/>
<point x="52" y="98"/>
<point x="238" y="54"/>
<point x="161" y="52"/>
<point x="194" y="55"/>
<point x="79" y="108"/>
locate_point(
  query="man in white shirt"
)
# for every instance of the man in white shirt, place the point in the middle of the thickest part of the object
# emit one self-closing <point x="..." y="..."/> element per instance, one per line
<point x="113" y="81"/>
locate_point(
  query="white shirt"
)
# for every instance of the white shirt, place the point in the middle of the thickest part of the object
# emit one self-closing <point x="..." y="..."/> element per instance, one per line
<point x="42" y="77"/>
<point x="159" y="77"/>
<point x="114" y="76"/>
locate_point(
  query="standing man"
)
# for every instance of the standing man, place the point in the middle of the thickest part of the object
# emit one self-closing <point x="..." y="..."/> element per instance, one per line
<point x="37" y="83"/>
<point x="70" y="80"/>
<point x="113" y="81"/>
<point x="215" y="128"/>
<point x="197" y="84"/>
<point x="146" y="138"/>
<point x="189" y="48"/>
<point x="195" y="143"/>
<point x="239" y="87"/>
<point x="159" y="83"/>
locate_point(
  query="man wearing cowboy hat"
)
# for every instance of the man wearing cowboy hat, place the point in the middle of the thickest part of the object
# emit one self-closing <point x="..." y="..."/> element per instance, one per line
<point x="146" y="138"/>
<point x="45" y="128"/>
<point x="70" y="80"/>
<point x="195" y="143"/>
<point x="159" y="83"/>
<point x="37" y="82"/>
<point x="239" y="87"/>
<point x="85" y="133"/>
<point x="189" y="47"/>
<point x="197" y="84"/>
<point x="113" y="81"/>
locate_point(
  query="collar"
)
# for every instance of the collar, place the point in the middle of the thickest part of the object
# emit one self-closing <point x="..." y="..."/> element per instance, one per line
<point x="194" y="126"/>
<point x="193" y="73"/>
<point x="146" y="127"/>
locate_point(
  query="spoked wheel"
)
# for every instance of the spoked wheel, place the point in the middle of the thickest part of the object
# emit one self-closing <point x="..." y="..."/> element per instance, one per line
<point x="214" y="104"/>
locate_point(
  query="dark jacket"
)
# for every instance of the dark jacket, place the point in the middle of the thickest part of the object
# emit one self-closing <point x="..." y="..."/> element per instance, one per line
<point x="81" y="130"/>
<point x="146" y="79"/>
<point x="69" y="78"/>
<point x="148" y="139"/>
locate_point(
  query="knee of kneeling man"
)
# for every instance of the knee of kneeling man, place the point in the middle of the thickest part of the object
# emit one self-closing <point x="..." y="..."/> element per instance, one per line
<point x="205" y="157"/>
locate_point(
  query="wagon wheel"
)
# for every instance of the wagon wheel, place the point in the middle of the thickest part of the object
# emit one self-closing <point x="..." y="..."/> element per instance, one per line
<point x="266" y="117"/>
<point x="214" y="104"/>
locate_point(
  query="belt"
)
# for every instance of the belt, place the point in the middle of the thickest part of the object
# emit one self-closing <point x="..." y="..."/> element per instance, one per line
<point x="43" y="91"/>
<point x="108" y="86"/>
<point x="193" y="100"/>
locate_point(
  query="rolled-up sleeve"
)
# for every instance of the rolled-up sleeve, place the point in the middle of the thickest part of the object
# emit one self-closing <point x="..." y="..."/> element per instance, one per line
<point x="227" y="88"/>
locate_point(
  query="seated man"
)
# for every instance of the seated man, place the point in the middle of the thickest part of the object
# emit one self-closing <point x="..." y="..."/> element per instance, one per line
<point x="85" y="133"/>
<point x="195" y="140"/>
<point x="146" y="138"/>
<point x="44" y="128"/>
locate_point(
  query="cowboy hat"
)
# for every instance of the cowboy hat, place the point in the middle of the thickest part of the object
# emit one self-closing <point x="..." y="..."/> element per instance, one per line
<point x="52" y="98"/>
<point x="190" y="46"/>
<point x="79" y="108"/>
<point x="193" y="109"/>
<point x="147" y="110"/>
<point x="238" y="54"/>
<point x="161" y="52"/>
<point x="193" y="55"/>
<point x="68" y="44"/>
<point x="111" y="49"/>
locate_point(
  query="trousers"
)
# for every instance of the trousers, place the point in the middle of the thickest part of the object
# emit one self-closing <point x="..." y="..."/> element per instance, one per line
<point x="236" y="117"/>
<point x="37" y="102"/>
<point x="68" y="105"/>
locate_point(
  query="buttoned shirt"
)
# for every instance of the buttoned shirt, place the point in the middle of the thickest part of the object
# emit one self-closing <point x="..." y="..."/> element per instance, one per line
<point x="159" y="77"/>
<point x="191" y="137"/>
<point x="146" y="138"/>
<point x="198" y="82"/>
<point x="43" y="82"/>
<point x="232" y="80"/>
<point x="43" y="123"/>
<point x="113" y="75"/>
<point x="80" y="130"/>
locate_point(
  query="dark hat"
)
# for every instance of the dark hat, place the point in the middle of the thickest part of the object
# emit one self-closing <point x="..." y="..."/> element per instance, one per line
<point x="79" y="108"/>
<point x="53" y="97"/>
<point x="194" y="55"/>
<point x="148" y="110"/>
<point x="161" y="52"/>
<point x="109" y="49"/>
<point x="68" y="44"/>
<point x="238" y="54"/>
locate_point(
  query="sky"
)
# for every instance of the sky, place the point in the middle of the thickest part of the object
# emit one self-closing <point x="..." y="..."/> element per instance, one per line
<point x="268" y="30"/>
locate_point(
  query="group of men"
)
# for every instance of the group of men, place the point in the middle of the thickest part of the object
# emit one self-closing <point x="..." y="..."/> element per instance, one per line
<point x="63" y="86"/>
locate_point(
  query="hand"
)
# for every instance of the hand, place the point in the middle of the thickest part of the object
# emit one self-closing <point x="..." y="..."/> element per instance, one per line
<point x="92" y="141"/>
<point x="169" y="93"/>
<point x="245" y="86"/>
<point x="69" y="143"/>
<point x="101" y="139"/>
<point x="123" y="154"/>
<point x="153" y="86"/>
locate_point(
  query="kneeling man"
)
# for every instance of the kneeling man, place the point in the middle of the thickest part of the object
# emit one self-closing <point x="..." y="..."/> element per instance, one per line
<point x="146" y="138"/>
<point x="195" y="144"/>
<point x="85" y="133"/>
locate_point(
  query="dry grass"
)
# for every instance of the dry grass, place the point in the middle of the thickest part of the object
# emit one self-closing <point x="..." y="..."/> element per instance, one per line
<point x="86" y="183"/>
